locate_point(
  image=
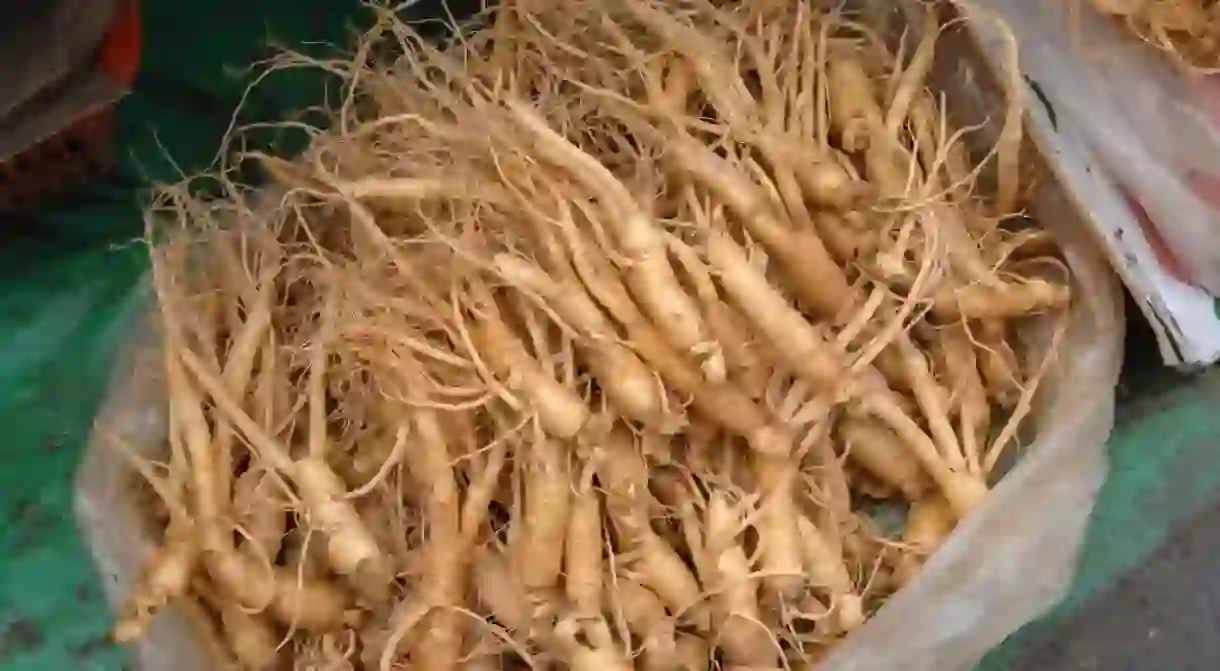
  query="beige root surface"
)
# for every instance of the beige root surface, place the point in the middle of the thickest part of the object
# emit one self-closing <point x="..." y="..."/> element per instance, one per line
<point x="1188" y="31"/>
<point x="589" y="339"/>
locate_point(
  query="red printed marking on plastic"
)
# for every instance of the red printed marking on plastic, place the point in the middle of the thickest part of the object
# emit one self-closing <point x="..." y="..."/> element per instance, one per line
<point x="1164" y="256"/>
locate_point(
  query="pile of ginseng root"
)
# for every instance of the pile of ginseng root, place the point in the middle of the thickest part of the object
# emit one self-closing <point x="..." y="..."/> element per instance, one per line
<point x="608" y="335"/>
<point x="1188" y="31"/>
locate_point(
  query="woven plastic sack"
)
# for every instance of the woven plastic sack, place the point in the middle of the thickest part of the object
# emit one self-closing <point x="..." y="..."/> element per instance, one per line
<point x="1008" y="562"/>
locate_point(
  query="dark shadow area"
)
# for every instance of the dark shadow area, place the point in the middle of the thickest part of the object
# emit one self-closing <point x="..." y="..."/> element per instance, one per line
<point x="1163" y="615"/>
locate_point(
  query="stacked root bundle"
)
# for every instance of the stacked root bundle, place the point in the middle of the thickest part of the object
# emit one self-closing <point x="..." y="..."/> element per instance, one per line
<point x="1187" y="30"/>
<point x="593" y="339"/>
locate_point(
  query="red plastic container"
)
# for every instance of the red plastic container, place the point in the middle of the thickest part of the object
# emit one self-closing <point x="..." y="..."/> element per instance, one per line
<point x="74" y="126"/>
